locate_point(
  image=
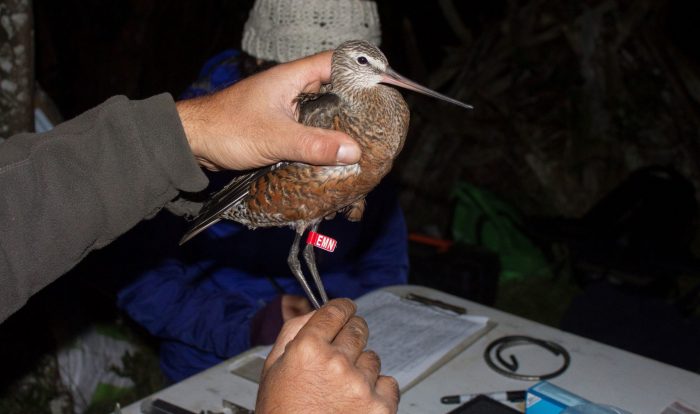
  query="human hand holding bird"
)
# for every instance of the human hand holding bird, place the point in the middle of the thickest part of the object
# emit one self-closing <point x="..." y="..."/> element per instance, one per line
<point x="300" y="195"/>
<point x="254" y="124"/>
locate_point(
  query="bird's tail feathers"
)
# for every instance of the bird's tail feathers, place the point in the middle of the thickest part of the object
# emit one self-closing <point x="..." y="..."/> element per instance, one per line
<point x="198" y="228"/>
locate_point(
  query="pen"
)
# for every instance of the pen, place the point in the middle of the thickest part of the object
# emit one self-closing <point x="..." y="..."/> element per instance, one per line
<point x="512" y="396"/>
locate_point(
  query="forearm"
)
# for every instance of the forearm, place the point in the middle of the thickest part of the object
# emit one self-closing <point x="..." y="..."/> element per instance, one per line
<point x="81" y="185"/>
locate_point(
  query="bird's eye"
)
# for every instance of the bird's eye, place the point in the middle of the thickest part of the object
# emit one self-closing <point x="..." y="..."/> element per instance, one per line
<point x="362" y="60"/>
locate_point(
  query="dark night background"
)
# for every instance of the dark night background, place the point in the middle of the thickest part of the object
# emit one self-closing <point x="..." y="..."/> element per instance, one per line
<point x="587" y="126"/>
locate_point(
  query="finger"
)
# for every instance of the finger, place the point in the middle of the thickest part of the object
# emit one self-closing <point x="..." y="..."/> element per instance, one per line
<point x="352" y="338"/>
<point x="289" y="331"/>
<point x="306" y="74"/>
<point x="306" y="307"/>
<point x="293" y="306"/>
<point x="301" y="305"/>
<point x="302" y="309"/>
<point x="388" y="390"/>
<point x="369" y="365"/>
<point x="314" y="68"/>
<point x="298" y="302"/>
<point x="326" y="322"/>
<point x="317" y="146"/>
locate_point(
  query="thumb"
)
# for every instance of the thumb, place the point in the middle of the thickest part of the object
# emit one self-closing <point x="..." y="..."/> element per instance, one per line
<point x="319" y="146"/>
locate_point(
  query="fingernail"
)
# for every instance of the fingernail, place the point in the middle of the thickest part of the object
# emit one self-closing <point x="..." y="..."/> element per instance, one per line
<point x="348" y="154"/>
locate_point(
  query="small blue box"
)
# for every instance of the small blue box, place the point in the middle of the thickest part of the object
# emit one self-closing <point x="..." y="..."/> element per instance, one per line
<point x="546" y="398"/>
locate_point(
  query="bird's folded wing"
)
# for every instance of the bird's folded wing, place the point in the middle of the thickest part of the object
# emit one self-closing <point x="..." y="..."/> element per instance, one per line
<point x="224" y="199"/>
<point x="318" y="110"/>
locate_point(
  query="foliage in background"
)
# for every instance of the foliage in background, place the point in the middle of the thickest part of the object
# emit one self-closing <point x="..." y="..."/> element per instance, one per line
<point x="569" y="97"/>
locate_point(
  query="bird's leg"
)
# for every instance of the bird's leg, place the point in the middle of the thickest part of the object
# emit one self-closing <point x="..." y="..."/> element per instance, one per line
<point x="310" y="258"/>
<point x="295" y="267"/>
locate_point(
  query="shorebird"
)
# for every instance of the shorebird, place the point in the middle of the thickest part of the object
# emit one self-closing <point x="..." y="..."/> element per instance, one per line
<point x="292" y="194"/>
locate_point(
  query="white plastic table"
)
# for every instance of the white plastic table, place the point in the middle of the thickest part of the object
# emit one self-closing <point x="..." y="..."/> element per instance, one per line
<point x="598" y="372"/>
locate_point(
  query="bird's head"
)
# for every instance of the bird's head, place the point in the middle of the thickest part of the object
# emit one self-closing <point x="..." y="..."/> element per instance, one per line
<point x="358" y="64"/>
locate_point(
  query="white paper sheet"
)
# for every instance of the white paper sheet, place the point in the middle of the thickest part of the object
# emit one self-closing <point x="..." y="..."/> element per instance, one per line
<point x="410" y="337"/>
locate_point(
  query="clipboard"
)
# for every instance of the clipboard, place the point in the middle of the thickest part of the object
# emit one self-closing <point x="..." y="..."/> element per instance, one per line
<point x="405" y="334"/>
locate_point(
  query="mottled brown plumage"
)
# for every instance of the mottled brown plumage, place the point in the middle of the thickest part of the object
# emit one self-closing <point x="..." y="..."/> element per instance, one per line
<point x="300" y="195"/>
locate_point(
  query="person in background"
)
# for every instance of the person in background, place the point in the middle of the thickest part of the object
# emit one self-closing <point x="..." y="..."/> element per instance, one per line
<point x="230" y="288"/>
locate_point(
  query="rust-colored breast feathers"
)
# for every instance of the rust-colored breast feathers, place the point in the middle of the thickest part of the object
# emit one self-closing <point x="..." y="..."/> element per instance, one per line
<point x="300" y="193"/>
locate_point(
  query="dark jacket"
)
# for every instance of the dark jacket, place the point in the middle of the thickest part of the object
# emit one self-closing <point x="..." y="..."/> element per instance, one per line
<point x="79" y="186"/>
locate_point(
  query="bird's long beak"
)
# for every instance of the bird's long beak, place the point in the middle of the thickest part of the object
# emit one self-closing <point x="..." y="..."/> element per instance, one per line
<point x="393" y="78"/>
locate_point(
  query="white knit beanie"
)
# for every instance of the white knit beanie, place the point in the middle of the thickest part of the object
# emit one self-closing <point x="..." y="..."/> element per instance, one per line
<point x="284" y="30"/>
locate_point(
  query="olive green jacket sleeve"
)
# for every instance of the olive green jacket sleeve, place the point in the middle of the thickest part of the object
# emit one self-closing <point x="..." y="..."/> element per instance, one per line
<point x="79" y="186"/>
